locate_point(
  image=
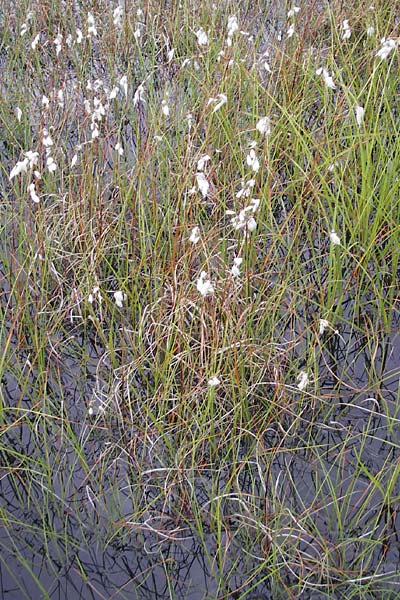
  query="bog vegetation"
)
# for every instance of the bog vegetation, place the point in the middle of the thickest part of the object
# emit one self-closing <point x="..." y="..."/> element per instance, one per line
<point x="199" y="310"/>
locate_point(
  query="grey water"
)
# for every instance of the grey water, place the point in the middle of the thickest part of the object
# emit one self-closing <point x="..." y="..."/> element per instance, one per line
<point x="81" y="558"/>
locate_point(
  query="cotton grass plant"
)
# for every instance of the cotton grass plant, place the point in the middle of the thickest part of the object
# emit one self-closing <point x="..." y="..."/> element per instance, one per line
<point x="199" y="310"/>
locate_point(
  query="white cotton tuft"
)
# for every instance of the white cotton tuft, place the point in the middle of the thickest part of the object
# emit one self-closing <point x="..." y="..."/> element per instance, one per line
<point x="202" y="184"/>
<point x="204" y="285"/>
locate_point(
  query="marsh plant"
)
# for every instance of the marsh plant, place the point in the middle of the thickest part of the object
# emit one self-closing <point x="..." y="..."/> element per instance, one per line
<point x="199" y="263"/>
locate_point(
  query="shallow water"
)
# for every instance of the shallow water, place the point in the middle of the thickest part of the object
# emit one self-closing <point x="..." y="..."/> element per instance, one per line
<point x="161" y="556"/>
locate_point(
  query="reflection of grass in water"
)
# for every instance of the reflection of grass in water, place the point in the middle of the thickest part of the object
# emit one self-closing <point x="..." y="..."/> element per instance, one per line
<point x="110" y="433"/>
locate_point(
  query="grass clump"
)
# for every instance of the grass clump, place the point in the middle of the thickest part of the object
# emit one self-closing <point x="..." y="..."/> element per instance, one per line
<point x="199" y="309"/>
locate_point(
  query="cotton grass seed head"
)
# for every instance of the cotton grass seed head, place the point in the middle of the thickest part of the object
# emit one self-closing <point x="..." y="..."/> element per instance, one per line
<point x="57" y="42"/>
<point x="33" y="158"/>
<point x="30" y="160"/>
<point x="92" y="31"/>
<point x="346" y="30"/>
<point x="387" y="47"/>
<point x="232" y="27"/>
<point x="164" y="108"/>
<point x="32" y="191"/>
<point x="123" y="82"/>
<point x="220" y="100"/>
<point x="264" y="126"/>
<point x="252" y="161"/>
<point x="119" y="149"/>
<point x="246" y="188"/>
<point x="195" y="235"/>
<point x="51" y="164"/>
<point x="235" y="270"/>
<point x="20" y="167"/>
<point x="202" y="38"/>
<point x="95" y="295"/>
<point x="293" y="11"/>
<point x="245" y="220"/>
<point x="328" y="80"/>
<point x="303" y="381"/>
<point x="204" y="285"/>
<point x="119" y="298"/>
<point x="117" y="16"/>
<point x="359" y="110"/>
<point x="46" y="139"/>
<point x="323" y="325"/>
<point x="35" y="41"/>
<point x="202" y="184"/>
<point x="203" y="160"/>
<point x="139" y="96"/>
<point x="334" y="238"/>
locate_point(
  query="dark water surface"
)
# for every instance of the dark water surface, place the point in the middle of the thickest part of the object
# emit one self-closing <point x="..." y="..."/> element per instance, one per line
<point x="161" y="555"/>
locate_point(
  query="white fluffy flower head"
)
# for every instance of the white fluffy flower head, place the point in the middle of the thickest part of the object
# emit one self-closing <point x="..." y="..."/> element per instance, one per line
<point x="202" y="184"/>
<point x="235" y="270"/>
<point x="323" y="324"/>
<point x="303" y="380"/>
<point x="328" y="80"/>
<point x="119" y="298"/>
<point x="346" y="30"/>
<point x="220" y="100"/>
<point x="359" y="110"/>
<point x="204" y="285"/>
<point x="293" y="11"/>
<point x="253" y="161"/>
<point x="264" y="126"/>
<point x="387" y="46"/>
<point x="334" y="238"/>
<point x="202" y="162"/>
<point x="195" y="235"/>
<point x="202" y="38"/>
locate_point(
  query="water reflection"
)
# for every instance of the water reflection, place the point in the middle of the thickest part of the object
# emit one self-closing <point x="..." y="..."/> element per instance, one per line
<point x="107" y="514"/>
